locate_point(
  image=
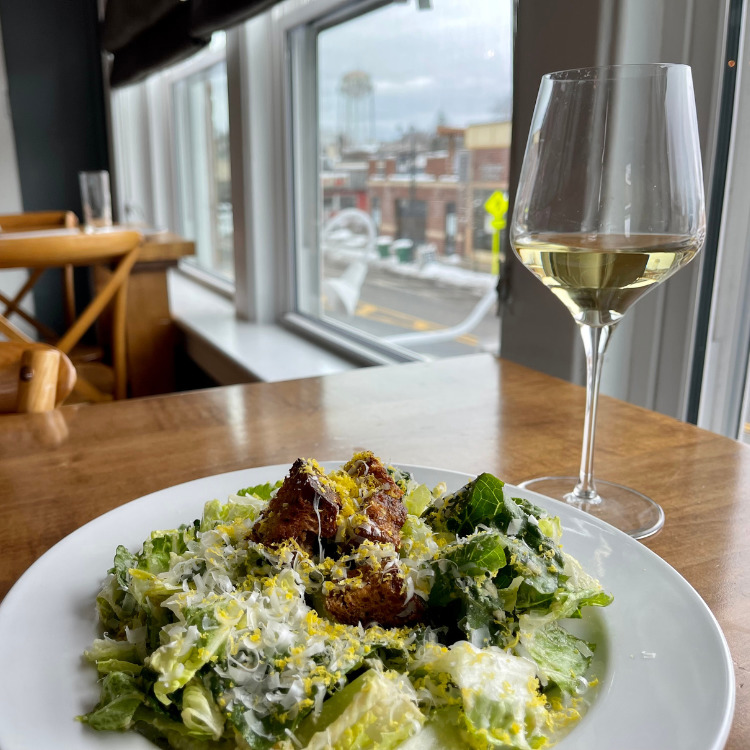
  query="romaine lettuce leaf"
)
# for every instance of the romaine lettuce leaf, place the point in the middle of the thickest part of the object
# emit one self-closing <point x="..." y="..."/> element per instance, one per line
<point x="120" y="697"/>
<point x="376" y="711"/>
<point x="263" y="491"/>
<point x="199" y="713"/>
<point x="164" y="730"/>
<point x="103" y="649"/>
<point x="502" y="706"/>
<point x="193" y="644"/>
<point x="106" y="666"/>
<point x="560" y="657"/>
<point x="483" y="501"/>
<point x="444" y="729"/>
<point x="147" y="586"/>
<point x="479" y="555"/>
<point x="161" y="545"/>
<point x="245" y="505"/>
<point x="253" y="732"/>
<point x="124" y="561"/>
<point x="418" y="501"/>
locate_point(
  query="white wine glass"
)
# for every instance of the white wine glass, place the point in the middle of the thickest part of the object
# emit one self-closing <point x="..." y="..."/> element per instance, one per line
<point x="609" y="204"/>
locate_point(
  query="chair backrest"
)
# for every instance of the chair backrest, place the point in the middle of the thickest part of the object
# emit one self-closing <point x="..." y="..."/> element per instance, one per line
<point x="31" y="220"/>
<point x="33" y="377"/>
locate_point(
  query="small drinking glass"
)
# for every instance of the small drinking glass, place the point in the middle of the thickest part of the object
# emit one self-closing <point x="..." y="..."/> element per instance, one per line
<point x="609" y="204"/>
<point x="96" y="199"/>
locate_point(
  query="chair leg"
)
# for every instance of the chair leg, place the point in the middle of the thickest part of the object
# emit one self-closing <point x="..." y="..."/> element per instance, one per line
<point x="14" y="334"/>
<point x="13" y="306"/>
<point x="69" y="294"/>
<point x="91" y="313"/>
<point x="119" y="349"/>
<point x="23" y="291"/>
<point x="113" y="289"/>
<point x="90" y="392"/>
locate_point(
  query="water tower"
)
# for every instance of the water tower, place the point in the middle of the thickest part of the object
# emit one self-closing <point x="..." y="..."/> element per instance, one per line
<point x="357" y="99"/>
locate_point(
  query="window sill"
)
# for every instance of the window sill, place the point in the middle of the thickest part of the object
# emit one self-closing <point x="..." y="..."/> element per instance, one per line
<point x="212" y="282"/>
<point x="237" y="351"/>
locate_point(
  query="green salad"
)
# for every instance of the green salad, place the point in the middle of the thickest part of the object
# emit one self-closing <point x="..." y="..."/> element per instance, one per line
<point x="347" y="609"/>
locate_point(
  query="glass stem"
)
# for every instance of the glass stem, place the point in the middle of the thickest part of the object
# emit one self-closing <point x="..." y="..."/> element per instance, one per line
<point x="595" y="340"/>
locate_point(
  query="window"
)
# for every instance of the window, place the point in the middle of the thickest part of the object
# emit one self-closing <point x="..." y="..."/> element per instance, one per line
<point x="172" y="162"/>
<point x="202" y="171"/>
<point x="375" y="213"/>
<point x="411" y="108"/>
<point x="451" y="226"/>
<point x="367" y="137"/>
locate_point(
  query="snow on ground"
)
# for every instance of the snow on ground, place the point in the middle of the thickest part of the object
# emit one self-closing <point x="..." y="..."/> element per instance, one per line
<point x="440" y="272"/>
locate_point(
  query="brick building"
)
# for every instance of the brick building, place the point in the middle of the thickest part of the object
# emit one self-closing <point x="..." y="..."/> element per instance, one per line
<point x="440" y="198"/>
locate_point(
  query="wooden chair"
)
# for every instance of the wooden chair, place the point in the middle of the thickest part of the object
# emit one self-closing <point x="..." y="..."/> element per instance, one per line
<point x="33" y="377"/>
<point x="41" y="250"/>
<point x="29" y="222"/>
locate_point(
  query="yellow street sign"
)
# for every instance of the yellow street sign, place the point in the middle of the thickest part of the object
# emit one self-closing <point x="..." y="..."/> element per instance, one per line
<point x="497" y="205"/>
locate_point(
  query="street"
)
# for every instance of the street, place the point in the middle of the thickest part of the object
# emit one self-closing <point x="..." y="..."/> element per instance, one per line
<point x="391" y="304"/>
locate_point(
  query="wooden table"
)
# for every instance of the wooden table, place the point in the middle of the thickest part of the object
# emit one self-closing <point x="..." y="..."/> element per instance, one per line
<point x="471" y="414"/>
<point x="151" y="333"/>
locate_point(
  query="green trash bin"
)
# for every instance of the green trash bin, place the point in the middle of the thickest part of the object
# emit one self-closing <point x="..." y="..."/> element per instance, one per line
<point x="404" y="250"/>
<point x="384" y="246"/>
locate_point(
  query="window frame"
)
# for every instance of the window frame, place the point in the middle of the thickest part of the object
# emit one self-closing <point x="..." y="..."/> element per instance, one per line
<point x="270" y="52"/>
<point x="199" y="63"/>
<point x="724" y="400"/>
<point x="155" y="175"/>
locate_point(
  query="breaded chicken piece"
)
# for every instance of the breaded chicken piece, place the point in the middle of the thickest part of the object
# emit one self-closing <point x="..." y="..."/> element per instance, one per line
<point x="305" y="509"/>
<point x="384" y="509"/>
<point x="374" y="595"/>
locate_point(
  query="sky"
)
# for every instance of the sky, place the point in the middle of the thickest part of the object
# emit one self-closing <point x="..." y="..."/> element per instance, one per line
<point x="454" y="59"/>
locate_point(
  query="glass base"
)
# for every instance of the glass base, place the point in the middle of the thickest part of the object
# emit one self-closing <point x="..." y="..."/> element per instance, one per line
<point x="623" y="508"/>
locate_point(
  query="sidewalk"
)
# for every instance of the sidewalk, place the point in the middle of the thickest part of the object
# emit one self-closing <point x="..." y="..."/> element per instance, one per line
<point x="440" y="272"/>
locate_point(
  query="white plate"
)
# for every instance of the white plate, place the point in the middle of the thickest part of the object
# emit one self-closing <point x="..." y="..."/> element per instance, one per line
<point x="666" y="677"/>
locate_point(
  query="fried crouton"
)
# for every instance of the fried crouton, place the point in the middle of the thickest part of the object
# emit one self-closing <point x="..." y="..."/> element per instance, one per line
<point x="386" y="515"/>
<point x="374" y="595"/>
<point x="384" y="508"/>
<point x="304" y="509"/>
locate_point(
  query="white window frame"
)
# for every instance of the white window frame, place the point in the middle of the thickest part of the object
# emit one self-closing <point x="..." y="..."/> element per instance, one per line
<point x="725" y="391"/>
<point x="203" y="61"/>
<point x="268" y="85"/>
<point x="154" y="177"/>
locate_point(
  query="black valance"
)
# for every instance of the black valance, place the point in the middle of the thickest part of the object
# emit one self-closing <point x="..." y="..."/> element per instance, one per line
<point x="213" y="15"/>
<point x="146" y="35"/>
<point x="124" y="20"/>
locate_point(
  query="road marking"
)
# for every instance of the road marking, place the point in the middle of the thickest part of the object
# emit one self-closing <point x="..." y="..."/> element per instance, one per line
<point x="403" y="320"/>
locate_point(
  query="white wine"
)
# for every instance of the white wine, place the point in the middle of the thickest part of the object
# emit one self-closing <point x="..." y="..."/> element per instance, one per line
<point x="598" y="277"/>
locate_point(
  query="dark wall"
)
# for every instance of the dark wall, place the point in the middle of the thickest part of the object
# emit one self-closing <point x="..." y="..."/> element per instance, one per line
<point x="537" y="331"/>
<point x="57" y="104"/>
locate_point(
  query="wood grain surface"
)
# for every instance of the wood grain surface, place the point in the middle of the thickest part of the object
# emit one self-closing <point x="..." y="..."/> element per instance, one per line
<point x="164" y="246"/>
<point x="61" y="469"/>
